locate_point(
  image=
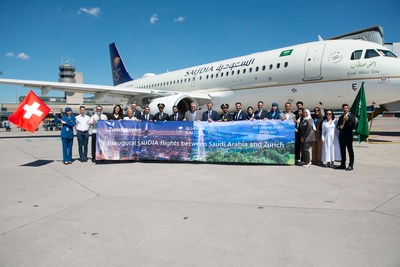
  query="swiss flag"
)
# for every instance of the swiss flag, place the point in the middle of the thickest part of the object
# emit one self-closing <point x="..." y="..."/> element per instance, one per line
<point x="30" y="113"/>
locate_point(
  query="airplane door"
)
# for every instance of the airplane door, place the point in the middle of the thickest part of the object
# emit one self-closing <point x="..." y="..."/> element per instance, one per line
<point x="313" y="62"/>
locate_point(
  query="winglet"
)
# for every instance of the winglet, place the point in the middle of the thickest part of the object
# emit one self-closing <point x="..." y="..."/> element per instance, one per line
<point x="320" y="38"/>
<point x="119" y="72"/>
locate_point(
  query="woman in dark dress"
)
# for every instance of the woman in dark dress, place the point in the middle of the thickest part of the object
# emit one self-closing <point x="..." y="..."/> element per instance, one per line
<point x="117" y="113"/>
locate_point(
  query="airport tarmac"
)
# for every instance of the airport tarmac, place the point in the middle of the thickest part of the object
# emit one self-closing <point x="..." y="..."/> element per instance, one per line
<point x="187" y="214"/>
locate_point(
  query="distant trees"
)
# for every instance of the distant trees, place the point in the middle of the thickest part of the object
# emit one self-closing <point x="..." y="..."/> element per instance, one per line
<point x="280" y="155"/>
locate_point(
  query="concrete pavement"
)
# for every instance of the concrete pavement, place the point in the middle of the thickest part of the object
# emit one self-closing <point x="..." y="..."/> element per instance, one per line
<point x="180" y="214"/>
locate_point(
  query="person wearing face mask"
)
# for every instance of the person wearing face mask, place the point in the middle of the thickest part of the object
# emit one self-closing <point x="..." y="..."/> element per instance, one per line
<point x="68" y="122"/>
<point x="98" y="115"/>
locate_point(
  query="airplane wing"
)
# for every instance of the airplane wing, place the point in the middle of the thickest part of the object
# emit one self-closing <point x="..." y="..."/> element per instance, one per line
<point x="97" y="89"/>
<point x="77" y="88"/>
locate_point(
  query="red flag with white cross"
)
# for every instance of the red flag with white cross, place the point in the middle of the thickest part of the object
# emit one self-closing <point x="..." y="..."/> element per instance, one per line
<point x="30" y="113"/>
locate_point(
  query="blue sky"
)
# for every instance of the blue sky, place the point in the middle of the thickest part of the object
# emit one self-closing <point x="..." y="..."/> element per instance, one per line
<point x="156" y="36"/>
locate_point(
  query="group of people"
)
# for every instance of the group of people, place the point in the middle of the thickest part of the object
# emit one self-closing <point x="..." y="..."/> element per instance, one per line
<point x="320" y="140"/>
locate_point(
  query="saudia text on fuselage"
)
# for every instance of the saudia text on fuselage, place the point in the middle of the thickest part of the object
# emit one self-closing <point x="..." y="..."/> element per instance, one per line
<point x="221" y="67"/>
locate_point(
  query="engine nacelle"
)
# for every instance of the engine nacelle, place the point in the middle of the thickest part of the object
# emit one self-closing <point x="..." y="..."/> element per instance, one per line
<point x="182" y="101"/>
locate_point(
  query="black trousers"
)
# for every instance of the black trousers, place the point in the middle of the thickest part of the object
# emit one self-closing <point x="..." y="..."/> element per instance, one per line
<point x="346" y="142"/>
<point x="93" y="146"/>
<point x="83" y="140"/>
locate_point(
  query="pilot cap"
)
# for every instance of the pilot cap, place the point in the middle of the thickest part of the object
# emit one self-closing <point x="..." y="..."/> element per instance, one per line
<point x="224" y="106"/>
<point x="160" y="105"/>
<point x="68" y="109"/>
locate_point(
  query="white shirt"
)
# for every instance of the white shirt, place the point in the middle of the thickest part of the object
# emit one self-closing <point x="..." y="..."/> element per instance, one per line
<point x="82" y="123"/>
<point x="130" y="119"/>
<point x="94" y="119"/>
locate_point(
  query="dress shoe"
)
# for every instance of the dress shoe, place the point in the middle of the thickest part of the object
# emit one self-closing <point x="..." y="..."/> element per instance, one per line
<point x="340" y="167"/>
<point x="350" y="168"/>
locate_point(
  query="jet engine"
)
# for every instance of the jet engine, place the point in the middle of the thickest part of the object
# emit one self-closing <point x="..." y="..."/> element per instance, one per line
<point x="182" y="101"/>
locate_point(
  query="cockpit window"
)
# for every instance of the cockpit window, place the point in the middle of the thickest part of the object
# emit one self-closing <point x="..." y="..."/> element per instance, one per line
<point x="371" y="53"/>
<point x="356" y="54"/>
<point x="386" y="53"/>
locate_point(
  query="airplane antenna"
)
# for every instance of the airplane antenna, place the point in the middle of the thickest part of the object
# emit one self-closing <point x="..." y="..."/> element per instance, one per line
<point x="320" y="38"/>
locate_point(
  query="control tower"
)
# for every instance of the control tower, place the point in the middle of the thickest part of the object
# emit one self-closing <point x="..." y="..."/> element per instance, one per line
<point x="67" y="75"/>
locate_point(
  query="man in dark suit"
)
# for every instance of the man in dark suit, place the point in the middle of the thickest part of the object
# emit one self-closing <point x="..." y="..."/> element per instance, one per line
<point x="176" y="115"/>
<point x="210" y="115"/>
<point x="136" y="113"/>
<point x="225" y="116"/>
<point x="161" y="115"/>
<point x="299" y="105"/>
<point x="239" y="115"/>
<point x="261" y="113"/>
<point x="346" y="124"/>
<point x="146" y="115"/>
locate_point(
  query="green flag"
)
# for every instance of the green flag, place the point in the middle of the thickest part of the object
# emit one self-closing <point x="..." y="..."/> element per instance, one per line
<point x="359" y="110"/>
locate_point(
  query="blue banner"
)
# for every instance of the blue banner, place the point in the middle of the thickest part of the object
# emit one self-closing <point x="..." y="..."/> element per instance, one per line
<point x="260" y="142"/>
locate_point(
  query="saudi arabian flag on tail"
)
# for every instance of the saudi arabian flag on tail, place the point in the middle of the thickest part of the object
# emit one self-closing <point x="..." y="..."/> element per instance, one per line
<point x="359" y="110"/>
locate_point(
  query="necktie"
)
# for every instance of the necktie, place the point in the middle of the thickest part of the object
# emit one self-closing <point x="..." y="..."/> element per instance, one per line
<point x="147" y="117"/>
<point x="209" y="114"/>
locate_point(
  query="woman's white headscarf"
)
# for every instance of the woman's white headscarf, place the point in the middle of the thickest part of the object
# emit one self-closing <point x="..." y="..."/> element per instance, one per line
<point x="309" y="117"/>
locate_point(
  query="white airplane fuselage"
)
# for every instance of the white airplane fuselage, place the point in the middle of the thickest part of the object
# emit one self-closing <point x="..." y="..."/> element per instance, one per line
<point x="319" y="74"/>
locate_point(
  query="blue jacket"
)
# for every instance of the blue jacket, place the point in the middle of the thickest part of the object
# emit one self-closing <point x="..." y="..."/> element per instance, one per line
<point x="67" y="130"/>
<point x="214" y="115"/>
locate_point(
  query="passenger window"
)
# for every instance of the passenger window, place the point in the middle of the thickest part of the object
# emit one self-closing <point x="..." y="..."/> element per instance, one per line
<point x="222" y="74"/>
<point x="286" y="64"/>
<point x="244" y="71"/>
<point x="233" y="72"/>
<point x="238" y="72"/>
<point x="370" y="53"/>
<point x="278" y="65"/>
<point x="263" y="68"/>
<point x="250" y="70"/>
<point x="194" y="78"/>
<point x="189" y="80"/>
<point x="201" y="77"/>
<point x="270" y="66"/>
<point x="227" y="73"/>
<point x="212" y="76"/>
<point x="257" y="69"/>
<point x="207" y="76"/>
<point x="216" y="75"/>
<point x="356" y="55"/>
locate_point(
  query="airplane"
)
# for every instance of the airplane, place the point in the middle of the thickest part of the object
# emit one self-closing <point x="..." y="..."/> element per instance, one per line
<point x="326" y="73"/>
